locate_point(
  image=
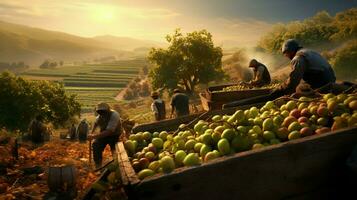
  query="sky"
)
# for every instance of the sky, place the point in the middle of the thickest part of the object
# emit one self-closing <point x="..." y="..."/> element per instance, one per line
<point x="230" y="21"/>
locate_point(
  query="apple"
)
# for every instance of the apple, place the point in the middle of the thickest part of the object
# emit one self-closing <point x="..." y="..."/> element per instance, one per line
<point x="291" y="105"/>
<point x="190" y="144"/>
<point x="303" y="120"/>
<point x="353" y="105"/>
<point x="288" y="120"/>
<point x="223" y="146"/>
<point x="167" y="164"/>
<point x="268" y="135"/>
<point x="144" y="163"/>
<point x="154" y="165"/>
<point x="322" y="111"/>
<point x="210" y="156"/>
<point x="145" y="173"/>
<point x="157" y="142"/>
<point x="130" y="147"/>
<point x="197" y="147"/>
<point x="150" y="155"/>
<point x="180" y="156"/>
<point x="322" y="121"/>
<point x="216" y="136"/>
<point x="191" y="159"/>
<point x="323" y="130"/>
<point x="216" y="118"/>
<point x="294" y="135"/>
<point x="295" y="113"/>
<point x="228" y="134"/>
<point x="306" y="131"/>
<point x="204" y="150"/>
<point x="268" y="124"/>
<point x="147" y="136"/>
<point x="283" y="133"/>
<point x="257" y="146"/>
<point x="295" y="126"/>
<point x="305" y="112"/>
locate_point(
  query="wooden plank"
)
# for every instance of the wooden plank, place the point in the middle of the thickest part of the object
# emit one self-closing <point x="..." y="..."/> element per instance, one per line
<point x="275" y="172"/>
<point x="128" y="174"/>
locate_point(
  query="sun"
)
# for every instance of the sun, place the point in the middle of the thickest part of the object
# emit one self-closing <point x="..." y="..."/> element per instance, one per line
<point x="103" y="13"/>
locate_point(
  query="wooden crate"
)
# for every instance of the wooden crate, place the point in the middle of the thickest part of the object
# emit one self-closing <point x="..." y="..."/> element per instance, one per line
<point x="232" y="95"/>
<point x="305" y="168"/>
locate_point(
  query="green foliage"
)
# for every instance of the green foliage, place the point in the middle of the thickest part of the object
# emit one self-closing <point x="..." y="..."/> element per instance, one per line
<point x="189" y="60"/>
<point x="21" y="100"/>
<point x="344" y="61"/>
<point x="319" y="29"/>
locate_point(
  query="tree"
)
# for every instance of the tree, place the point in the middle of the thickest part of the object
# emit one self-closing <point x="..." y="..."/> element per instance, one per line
<point x="344" y="61"/>
<point x="21" y="100"/>
<point x="189" y="60"/>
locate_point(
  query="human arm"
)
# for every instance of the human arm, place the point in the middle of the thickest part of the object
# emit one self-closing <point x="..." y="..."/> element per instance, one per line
<point x="295" y="76"/>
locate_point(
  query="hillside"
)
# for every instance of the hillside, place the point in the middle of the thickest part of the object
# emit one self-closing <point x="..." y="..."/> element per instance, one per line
<point x="126" y="43"/>
<point x="33" y="45"/>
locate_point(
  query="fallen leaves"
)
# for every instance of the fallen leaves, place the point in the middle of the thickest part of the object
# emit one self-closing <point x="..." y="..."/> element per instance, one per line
<point x="33" y="185"/>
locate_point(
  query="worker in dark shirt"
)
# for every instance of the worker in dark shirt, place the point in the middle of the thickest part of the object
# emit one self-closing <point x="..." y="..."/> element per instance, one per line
<point x="158" y="107"/>
<point x="179" y="104"/>
<point x="261" y="74"/>
<point x="306" y="65"/>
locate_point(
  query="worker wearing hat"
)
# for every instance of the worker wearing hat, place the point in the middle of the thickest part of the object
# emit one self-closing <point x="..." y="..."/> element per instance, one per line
<point x="108" y="121"/>
<point x="261" y="74"/>
<point x="307" y="65"/>
<point x="179" y="103"/>
<point x="158" y="107"/>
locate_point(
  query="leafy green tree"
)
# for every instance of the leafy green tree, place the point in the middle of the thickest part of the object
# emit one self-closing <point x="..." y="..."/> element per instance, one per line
<point x="344" y="61"/>
<point x="189" y="60"/>
<point x="318" y="30"/>
<point x="21" y="100"/>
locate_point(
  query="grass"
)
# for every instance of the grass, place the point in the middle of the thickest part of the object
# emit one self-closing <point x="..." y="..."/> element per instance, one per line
<point x="92" y="83"/>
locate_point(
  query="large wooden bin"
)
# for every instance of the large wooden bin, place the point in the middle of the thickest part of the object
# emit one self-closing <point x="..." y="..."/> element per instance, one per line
<point x="212" y="100"/>
<point x="301" y="169"/>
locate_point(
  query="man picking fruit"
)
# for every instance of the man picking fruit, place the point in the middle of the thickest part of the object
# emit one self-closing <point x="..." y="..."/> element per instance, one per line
<point x="158" y="107"/>
<point x="179" y="104"/>
<point x="306" y="65"/>
<point x="261" y="74"/>
<point x="108" y="121"/>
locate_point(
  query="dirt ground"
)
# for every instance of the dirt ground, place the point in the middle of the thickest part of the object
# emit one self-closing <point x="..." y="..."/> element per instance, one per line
<point x="26" y="178"/>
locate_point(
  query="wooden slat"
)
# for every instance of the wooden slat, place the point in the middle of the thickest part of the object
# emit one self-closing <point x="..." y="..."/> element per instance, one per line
<point x="127" y="172"/>
<point x="275" y="172"/>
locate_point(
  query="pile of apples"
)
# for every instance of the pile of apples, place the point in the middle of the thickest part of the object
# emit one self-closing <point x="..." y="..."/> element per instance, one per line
<point x="247" y="87"/>
<point x="254" y="128"/>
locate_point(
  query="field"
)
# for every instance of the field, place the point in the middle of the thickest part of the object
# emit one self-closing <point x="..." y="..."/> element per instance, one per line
<point x="91" y="83"/>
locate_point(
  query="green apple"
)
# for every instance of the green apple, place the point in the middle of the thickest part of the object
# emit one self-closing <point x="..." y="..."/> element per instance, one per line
<point x="167" y="164"/>
<point x="180" y="156"/>
<point x="268" y="124"/>
<point x="228" y="134"/>
<point x="204" y="150"/>
<point x="191" y="159"/>
<point x="294" y="135"/>
<point x="268" y="135"/>
<point x="223" y="146"/>
<point x="145" y="173"/>
<point x="157" y="142"/>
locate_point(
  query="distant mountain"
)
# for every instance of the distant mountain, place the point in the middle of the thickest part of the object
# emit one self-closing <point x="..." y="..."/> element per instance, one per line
<point x="34" y="45"/>
<point x="126" y="43"/>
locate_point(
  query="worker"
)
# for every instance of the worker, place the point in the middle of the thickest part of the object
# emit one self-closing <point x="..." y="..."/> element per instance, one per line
<point x="158" y="107"/>
<point x="307" y="65"/>
<point x="82" y="130"/>
<point x="72" y="132"/>
<point x="261" y="74"/>
<point x="37" y="130"/>
<point x="108" y="121"/>
<point x="179" y="104"/>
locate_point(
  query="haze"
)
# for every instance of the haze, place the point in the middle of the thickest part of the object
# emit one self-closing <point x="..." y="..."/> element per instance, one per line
<point x="232" y="23"/>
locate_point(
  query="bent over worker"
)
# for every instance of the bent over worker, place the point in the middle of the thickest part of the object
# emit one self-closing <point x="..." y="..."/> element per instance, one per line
<point x="261" y="74"/>
<point x="307" y="65"/>
<point x="108" y="121"/>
